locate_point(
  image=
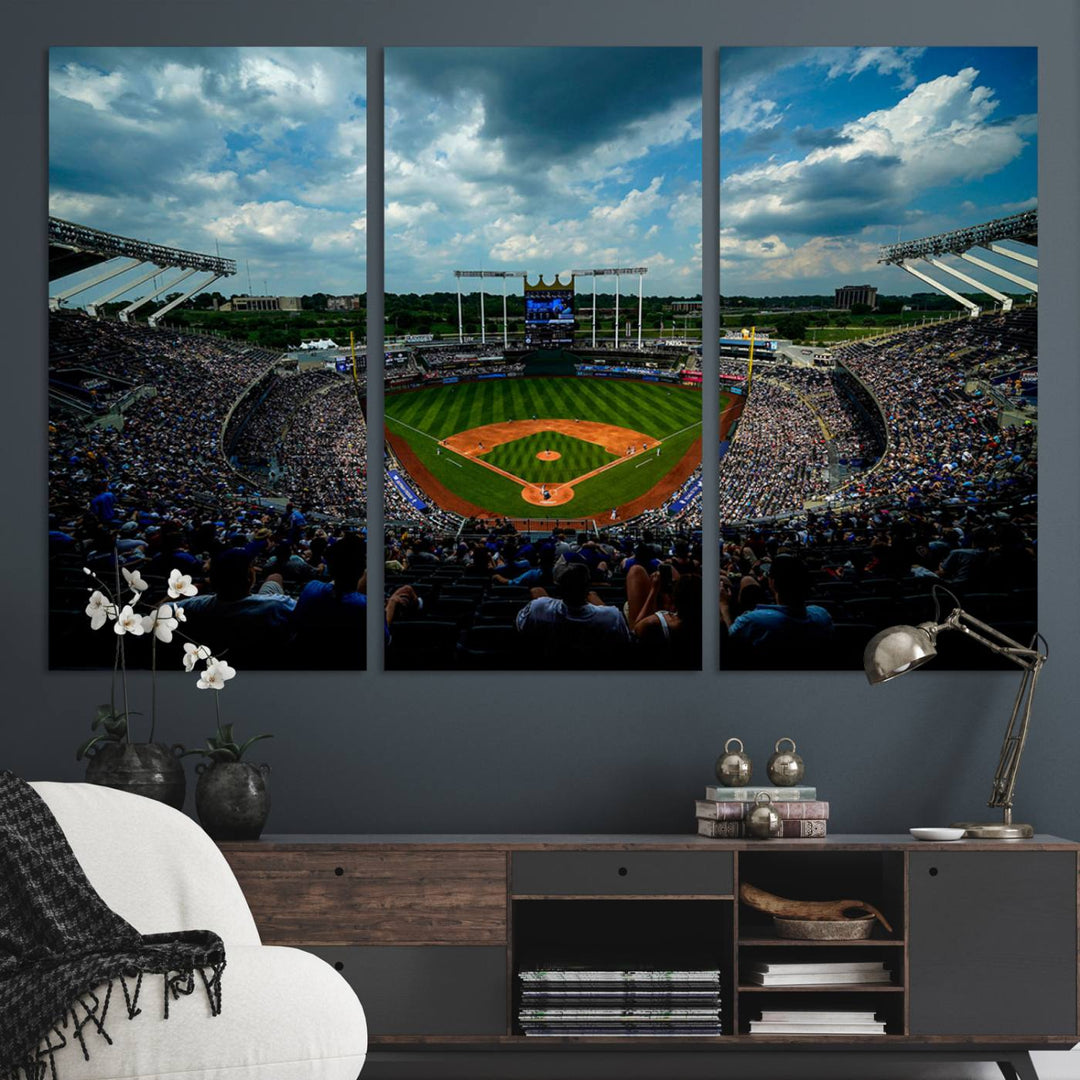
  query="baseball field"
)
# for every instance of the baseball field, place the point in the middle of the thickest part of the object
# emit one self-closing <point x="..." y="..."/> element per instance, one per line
<point x="558" y="447"/>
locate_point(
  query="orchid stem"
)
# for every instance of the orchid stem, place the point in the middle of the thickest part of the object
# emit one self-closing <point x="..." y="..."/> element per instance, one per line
<point x="153" y="681"/>
<point x="123" y="652"/>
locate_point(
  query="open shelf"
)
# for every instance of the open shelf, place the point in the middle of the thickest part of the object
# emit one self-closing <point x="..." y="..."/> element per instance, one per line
<point x="885" y="1002"/>
<point x="623" y="934"/>
<point x="876" y="878"/>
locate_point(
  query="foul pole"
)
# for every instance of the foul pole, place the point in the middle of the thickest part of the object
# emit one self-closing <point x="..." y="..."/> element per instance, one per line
<point x="750" y="366"/>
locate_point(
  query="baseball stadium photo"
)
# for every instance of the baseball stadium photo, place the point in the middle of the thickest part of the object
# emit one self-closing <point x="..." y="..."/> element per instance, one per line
<point x="207" y="445"/>
<point x="879" y="272"/>
<point x="543" y="405"/>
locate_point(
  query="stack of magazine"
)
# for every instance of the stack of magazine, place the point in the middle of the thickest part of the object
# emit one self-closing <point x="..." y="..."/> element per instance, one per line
<point x="814" y="1022"/>
<point x="811" y="973"/>
<point x="570" y="1001"/>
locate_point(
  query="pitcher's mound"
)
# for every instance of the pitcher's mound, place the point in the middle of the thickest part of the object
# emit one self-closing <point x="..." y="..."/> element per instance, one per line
<point x="532" y="493"/>
<point x="548" y="455"/>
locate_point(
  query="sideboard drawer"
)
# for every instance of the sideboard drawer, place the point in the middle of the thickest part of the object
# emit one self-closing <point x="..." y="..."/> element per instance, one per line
<point x="622" y="873"/>
<point x="303" y="897"/>
<point x="445" y="990"/>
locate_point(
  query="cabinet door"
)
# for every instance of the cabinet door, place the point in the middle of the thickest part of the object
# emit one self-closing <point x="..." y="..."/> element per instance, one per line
<point x="992" y="943"/>
<point x="407" y="990"/>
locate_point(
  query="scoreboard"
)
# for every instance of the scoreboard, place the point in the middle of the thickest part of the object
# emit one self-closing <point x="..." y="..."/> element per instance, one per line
<point x="549" y="315"/>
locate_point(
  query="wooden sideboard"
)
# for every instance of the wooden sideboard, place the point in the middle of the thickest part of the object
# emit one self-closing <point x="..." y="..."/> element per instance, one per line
<point x="431" y="931"/>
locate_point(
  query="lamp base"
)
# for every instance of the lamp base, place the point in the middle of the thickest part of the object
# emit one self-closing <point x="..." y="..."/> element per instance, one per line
<point x="994" y="830"/>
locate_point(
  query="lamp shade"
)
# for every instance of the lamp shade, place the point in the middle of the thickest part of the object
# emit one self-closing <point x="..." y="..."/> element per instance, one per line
<point x="898" y="649"/>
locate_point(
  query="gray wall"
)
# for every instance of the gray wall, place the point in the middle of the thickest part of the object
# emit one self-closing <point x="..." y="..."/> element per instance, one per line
<point x="576" y="752"/>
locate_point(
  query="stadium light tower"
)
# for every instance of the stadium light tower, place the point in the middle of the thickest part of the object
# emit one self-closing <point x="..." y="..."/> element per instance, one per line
<point x="615" y="272"/>
<point x="504" y="274"/>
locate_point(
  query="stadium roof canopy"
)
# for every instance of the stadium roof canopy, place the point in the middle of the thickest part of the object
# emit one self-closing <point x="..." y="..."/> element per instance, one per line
<point x="1021" y="229"/>
<point x="75" y="247"/>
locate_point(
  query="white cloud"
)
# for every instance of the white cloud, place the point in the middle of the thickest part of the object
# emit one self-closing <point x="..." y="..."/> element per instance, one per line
<point x="260" y="150"/>
<point x="456" y="192"/>
<point x="938" y="133"/>
<point x="94" y="88"/>
<point x="886" y="61"/>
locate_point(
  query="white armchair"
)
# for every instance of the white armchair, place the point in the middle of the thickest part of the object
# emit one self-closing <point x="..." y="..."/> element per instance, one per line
<point x="286" y="1015"/>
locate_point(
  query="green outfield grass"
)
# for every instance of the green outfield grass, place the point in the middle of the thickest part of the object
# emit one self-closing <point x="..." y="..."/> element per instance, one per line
<point x="519" y="457"/>
<point x="652" y="408"/>
<point x="424" y="417"/>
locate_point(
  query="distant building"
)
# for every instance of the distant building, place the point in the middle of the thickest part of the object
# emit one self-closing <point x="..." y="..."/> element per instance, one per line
<point x="686" y="307"/>
<point x="343" y="303"/>
<point x="850" y="295"/>
<point x="261" y="303"/>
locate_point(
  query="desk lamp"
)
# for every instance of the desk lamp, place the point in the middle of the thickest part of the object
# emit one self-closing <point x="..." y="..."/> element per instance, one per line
<point x="900" y="649"/>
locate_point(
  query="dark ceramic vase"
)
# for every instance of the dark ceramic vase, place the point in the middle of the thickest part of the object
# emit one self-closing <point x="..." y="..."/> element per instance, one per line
<point x="149" y="769"/>
<point x="232" y="799"/>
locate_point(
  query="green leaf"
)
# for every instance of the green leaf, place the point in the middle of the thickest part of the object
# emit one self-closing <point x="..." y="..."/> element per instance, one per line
<point x="92" y="741"/>
<point x="253" y="739"/>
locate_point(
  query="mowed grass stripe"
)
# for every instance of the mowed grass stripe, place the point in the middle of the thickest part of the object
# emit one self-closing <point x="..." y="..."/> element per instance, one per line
<point x="520" y="457"/>
<point x="655" y="409"/>
<point x="658" y="409"/>
<point x="629" y="479"/>
<point x="481" y="486"/>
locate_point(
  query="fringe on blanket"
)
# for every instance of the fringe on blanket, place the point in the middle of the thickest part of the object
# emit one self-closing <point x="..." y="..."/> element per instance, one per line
<point x="70" y="1026"/>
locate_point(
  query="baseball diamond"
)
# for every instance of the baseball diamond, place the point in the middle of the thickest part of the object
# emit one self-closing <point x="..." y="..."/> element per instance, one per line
<point x="513" y="447"/>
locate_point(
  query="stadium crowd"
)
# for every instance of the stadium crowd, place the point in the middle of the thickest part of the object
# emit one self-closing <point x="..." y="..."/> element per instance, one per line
<point x="324" y="452"/>
<point x="152" y="491"/>
<point x="257" y="428"/>
<point x="951" y="502"/>
<point x="498" y="599"/>
<point x="777" y="459"/>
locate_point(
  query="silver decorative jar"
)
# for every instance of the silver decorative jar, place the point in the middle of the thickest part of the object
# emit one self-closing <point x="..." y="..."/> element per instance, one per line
<point x="763" y="822"/>
<point x="734" y="767"/>
<point x="785" y="767"/>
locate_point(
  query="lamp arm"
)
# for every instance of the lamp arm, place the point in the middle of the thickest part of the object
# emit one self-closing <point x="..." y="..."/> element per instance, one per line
<point x="1012" y="746"/>
<point x="1023" y="655"/>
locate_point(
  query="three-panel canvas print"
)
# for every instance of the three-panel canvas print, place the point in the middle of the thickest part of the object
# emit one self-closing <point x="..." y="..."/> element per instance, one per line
<point x="545" y="376"/>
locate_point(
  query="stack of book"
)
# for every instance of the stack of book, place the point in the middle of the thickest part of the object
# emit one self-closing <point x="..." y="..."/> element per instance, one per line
<point x="722" y="813"/>
<point x="817" y="973"/>
<point x="813" y="1022"/>
<point x="567" y="1001"/>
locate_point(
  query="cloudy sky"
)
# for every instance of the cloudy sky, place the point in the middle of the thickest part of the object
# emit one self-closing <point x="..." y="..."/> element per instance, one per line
<point x="258" y="151"/>
<point x="827" y="153"/>
<point x="543" y="160"/>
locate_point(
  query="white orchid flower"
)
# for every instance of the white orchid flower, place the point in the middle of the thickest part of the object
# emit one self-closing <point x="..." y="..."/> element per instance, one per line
<point x="216" y="673"/>
<point x="128" y="622"/>
<point x="179" y="613"/>
<point x="135" y="580"/>
<point x="99" y="609"/>
<point x="161" y="623"/>
<point x="180" y="585"/>
<point x="193" y="654"/>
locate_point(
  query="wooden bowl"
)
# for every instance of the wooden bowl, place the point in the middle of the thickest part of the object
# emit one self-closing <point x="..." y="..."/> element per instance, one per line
<point x="857" y="929"/>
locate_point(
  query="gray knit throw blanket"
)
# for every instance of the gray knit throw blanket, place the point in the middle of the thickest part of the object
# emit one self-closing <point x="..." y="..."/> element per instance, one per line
<point x="66" y="957"/>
